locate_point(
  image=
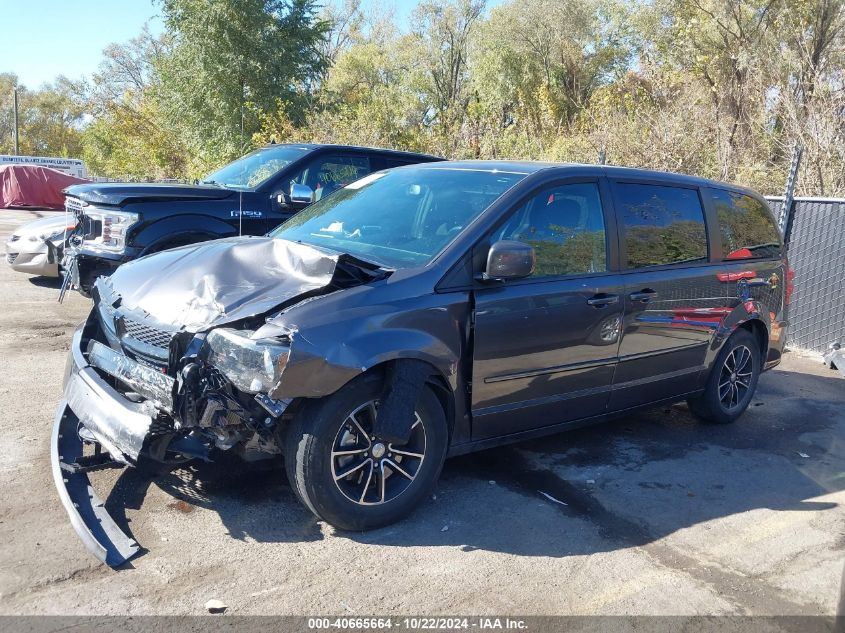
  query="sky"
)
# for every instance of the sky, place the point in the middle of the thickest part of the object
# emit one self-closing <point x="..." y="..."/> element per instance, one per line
<point x="66" y="37"/>
<point x="48" y="38"/>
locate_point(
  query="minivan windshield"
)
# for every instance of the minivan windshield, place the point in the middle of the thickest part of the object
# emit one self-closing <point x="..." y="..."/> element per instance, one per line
<point x="400" y="218"/>
<point x="252" y="170"/>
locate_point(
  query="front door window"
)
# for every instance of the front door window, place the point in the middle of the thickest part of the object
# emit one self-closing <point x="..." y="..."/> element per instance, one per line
<point x="565" y="225"/>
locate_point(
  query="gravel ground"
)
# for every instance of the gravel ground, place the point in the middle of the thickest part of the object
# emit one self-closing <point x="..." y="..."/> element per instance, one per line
<point x="650" y="514"/>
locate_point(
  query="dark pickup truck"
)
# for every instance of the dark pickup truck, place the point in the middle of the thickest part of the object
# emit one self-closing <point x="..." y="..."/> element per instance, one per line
<point x="119" y="222"/>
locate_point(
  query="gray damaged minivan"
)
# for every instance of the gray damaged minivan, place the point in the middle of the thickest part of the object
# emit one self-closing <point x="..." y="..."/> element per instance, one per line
<point x="419" y="313"/>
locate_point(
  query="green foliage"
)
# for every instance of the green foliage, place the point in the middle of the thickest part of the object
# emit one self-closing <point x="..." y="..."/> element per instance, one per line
<point x="49" y="119"/>
<point x="650" y="245"/>
<point x="231" y="61"/>
<point x="716" y="88"/>
<point x="129" y="137"/>
<point x="570" y="252"/>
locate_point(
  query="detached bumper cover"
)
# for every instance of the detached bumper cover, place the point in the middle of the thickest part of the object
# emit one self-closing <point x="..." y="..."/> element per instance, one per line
<point x="87" y="513"/>
<point x="120" y="427"/>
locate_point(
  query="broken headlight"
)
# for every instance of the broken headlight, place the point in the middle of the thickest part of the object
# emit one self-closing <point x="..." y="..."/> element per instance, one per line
<point x="253" y="366"/>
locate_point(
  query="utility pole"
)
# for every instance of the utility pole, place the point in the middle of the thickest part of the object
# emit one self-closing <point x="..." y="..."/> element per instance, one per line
<point x="17" y="148"/>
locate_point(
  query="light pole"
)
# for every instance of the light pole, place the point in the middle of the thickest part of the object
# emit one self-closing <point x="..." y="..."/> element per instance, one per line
<point x="17" y="148"/>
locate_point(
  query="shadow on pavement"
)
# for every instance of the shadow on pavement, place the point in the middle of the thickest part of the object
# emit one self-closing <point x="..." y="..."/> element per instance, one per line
<point x="46" y="282"/>
<point x="611" y="486"/>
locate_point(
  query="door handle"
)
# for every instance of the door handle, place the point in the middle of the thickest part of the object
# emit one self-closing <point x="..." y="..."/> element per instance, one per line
<point x="644" y="296"/>
<point x="602" y="300"/>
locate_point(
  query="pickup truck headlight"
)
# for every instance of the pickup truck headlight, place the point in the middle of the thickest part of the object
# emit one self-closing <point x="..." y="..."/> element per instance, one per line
<point x="114" y="224"/>
<point x="253" y="366"/>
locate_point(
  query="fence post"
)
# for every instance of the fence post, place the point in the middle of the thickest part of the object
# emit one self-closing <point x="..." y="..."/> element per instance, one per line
<point x="785" y="216"/>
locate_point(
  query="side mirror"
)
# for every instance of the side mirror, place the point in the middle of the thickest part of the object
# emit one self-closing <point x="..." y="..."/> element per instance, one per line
<point x="509" y="259"/>
<point x="299" y="196"/>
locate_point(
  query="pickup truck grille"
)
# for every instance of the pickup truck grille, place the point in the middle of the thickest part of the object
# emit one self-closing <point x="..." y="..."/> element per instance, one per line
<point x="74" y="205"/>
<point x="88" y="228"/>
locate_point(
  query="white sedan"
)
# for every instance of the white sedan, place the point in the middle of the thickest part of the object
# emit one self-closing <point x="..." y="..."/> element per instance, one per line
<point x="36" y="248"/>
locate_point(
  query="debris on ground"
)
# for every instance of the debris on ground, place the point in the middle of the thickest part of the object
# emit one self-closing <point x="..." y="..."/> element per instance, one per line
<point x="181" y="506"/>
<point x="804" y="455"/>
<point x="444" y="528"/>
<point x="835" y="357"/>
<point x="551" y="498"/>
<point x="216" y="606"/>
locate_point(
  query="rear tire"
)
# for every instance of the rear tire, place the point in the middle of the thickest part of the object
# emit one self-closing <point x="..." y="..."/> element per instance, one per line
<point x="384" y="483"/>
<point x="732" y="381"/>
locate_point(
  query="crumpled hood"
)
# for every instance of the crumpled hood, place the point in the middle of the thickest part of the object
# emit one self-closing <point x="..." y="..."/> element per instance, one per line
<point x="118" y="193"/>
<point x="209" y="284"/>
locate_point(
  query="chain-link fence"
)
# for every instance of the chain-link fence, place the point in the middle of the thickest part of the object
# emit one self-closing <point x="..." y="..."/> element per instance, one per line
<point x="816" y="235"/>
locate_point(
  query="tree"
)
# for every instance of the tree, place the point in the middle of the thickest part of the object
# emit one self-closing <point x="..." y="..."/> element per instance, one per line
<point x="442" y="32"/>
<point x="231" y="61"/>
<point x="128" y="136"/>
<point x="49" y="119"/>
<point x="716" y="88"/>
<point x="8" y="81"/>
<point x="810" y="86"/>
<point x="725" y="43"/>
<point x="536" y="67"/>
<point x="346" y="24"/>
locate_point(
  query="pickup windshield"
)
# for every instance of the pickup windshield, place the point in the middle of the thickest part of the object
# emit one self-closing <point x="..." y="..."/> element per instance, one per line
<point x="400" y="218"/>
<point x="252" y="170"/>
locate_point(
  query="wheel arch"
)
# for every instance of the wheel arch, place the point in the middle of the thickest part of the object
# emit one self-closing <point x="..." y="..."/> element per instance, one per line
<point x="436" y="381"/>
<point x="755" y="322"/>
<point x="188" y="228"/>
<point x="760" y="331"/>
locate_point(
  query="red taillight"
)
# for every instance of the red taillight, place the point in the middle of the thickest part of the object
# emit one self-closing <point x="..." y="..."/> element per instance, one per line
<point x="790" y="283"/>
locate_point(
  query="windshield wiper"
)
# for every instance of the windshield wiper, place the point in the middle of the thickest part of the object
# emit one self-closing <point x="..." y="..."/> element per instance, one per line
<point x="211" y="182"/>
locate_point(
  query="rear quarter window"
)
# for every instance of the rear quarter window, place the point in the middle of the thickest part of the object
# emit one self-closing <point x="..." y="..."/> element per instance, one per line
<point x="661" y="225"/>
<point x="746" y="225"/>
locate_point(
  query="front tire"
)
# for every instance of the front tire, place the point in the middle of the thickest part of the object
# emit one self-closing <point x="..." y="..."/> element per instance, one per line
<point x="732" y="381"/>
<point x="346" y="475"/>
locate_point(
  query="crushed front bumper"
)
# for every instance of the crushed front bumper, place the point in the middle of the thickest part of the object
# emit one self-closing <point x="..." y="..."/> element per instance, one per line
<point x="83" y="267"/>
<point x="94" y="412"/>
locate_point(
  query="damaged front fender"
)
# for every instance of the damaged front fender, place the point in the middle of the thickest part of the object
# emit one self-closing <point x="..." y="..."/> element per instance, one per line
<point x="336" y="339"/>
<point x="315" y="369"/>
